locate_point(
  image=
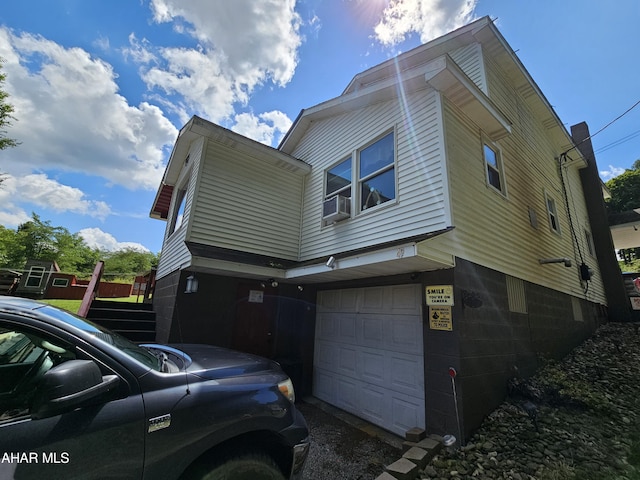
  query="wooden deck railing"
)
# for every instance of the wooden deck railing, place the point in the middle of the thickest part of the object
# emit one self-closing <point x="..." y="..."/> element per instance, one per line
<point x="92" y="289"/>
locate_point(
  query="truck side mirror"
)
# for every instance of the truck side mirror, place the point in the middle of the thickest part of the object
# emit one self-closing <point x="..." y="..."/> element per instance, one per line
<point x="68" y="386"/>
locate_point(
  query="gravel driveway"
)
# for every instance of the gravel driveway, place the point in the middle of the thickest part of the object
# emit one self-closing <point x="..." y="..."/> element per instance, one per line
<point x="340" y="449"/>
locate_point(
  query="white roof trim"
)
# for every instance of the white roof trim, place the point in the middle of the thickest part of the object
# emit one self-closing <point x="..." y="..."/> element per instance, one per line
<point x="444" y="75"/>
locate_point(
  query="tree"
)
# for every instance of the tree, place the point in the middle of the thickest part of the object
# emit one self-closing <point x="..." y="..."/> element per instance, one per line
<point x="625" y="191"/>
<point x="127" y="263"/>
<point x="39" y="240"/>
<point x="6" y="111"/>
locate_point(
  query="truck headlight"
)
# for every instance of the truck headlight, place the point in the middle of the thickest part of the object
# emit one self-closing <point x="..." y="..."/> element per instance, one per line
<point x="286" y="387"/>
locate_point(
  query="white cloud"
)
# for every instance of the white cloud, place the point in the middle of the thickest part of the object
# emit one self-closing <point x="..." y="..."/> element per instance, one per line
<point x="96" y="238"/>
<point x="428" y="18"/>
<point x="241" y="45"/>
<point x="73" y="118"/>
<point x="41" y="191"/>
<point x="256" y="39"/>
<point x="611" y="172"/>
<point x="267" y="128"/>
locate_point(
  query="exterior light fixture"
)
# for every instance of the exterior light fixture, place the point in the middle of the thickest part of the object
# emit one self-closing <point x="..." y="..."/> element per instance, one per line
<point x="331" y="263"/>
<point x="192" y="284"/>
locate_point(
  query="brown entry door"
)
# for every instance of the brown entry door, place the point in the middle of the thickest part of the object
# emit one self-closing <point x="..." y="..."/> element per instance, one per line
<point x="254" y="326"/>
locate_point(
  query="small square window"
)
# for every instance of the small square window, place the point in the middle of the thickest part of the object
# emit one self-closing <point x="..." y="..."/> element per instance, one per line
<point x="60" y="282"/>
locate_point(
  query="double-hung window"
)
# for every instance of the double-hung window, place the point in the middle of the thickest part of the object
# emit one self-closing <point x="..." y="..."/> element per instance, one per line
<point x="493" y="166"/>
<point x="376" y="168"/>
<point x="552" y="213"/>
<point x="366" y="178"/>
<point x="339" y="179"/>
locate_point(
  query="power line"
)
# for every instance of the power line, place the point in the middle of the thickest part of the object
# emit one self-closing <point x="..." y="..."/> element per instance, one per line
<point x="620" y="141"/>
<point x="603" y="128"/>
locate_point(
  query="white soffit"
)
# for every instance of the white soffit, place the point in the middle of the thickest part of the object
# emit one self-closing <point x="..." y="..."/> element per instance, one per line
<point x="446" y="76"/>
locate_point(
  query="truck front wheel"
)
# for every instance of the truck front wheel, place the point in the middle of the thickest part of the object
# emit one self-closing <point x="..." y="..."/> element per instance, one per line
<point x="246" y="467"/>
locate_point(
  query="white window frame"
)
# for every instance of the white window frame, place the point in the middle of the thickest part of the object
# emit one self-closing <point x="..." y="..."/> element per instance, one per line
<point x="390" y="166"/>
<point x="345" y="191"/>
<point x="589" y="240"/>
<point x="35" y="272"/>
<point x="179" y="203"/>
<point x="552" y="213"/>
<point x="60" y="282"/>
<point x="498" y="168"/>
<point x="353" y="190"/>
<point x="177" y="216"/>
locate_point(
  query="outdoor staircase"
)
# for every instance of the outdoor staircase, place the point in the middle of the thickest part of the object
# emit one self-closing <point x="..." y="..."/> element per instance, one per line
<point x="135" y="321"/>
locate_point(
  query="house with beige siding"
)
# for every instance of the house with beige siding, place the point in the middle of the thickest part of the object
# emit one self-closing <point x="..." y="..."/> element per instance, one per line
<point x="434" y="218"/>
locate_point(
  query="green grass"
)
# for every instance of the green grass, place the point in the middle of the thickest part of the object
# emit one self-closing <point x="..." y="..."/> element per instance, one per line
<point x="69" y="305"/>
<point x="74" y="305"/>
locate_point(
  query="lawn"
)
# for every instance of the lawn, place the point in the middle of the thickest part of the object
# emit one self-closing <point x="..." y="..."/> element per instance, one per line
<point x="74" y="305"/>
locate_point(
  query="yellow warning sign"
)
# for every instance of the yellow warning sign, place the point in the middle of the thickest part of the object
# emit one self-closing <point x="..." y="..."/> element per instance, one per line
<point x="439" y="294"/>
<point x="440" y="318"/>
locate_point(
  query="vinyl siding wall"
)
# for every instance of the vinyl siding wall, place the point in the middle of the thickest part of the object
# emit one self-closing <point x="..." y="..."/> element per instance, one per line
<point x="247" y="204"/>
<point x="421" y="204"/>
<point x="495" y="231"/>
<point x="175" y="254"/>
<point x="469" y="59"/>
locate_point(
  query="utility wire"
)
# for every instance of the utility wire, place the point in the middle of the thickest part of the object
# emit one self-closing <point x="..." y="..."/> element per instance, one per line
<point x="603" y="128"/>
<point x="620" y="141"/>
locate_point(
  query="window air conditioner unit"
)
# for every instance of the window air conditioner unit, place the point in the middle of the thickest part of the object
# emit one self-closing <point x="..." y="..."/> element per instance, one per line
<point x="335" y="209"/>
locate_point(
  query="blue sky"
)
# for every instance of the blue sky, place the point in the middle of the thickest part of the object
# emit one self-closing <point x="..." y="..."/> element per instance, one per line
<point x="100" y="89"/>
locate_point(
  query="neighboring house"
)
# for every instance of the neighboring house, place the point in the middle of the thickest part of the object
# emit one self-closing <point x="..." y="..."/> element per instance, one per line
<point x="625" y="229"/>
<point x="35" y="279"/>
<point x="433" y="216"/>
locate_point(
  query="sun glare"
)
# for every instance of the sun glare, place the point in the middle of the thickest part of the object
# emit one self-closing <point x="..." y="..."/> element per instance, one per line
<point x="369" y="12"/>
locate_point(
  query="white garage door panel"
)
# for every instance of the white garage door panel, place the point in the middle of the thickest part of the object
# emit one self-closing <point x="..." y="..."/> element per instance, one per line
<point x="324" y="386"/>
<point x="406" y="413"/>
<point x="347" y="394"/>
<point x="405" y="377"/>
<point x="369" y="348"/>
<point x="372" y="367"/>
<point x="325" y="355"/>
<point x="347" y="362"/>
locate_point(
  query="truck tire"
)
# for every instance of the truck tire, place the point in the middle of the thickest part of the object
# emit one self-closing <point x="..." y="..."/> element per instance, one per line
<point x="246" y="467"/>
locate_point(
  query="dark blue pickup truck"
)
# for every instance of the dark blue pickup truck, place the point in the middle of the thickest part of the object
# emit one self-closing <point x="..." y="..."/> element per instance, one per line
<point x="78" y="401"/>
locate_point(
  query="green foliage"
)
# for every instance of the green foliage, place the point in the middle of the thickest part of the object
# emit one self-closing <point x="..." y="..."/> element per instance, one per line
<point x="631" y="266"/>
<point x="39" y="240"/>
<point x="6" y="111"/>
<point x="625" y="191"/>
<point x="126" y="264"/>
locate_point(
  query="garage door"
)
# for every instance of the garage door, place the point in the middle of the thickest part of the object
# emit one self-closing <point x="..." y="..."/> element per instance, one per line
<point x="368" y="356"/>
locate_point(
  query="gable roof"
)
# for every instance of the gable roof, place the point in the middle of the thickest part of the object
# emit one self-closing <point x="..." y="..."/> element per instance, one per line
<point x="429" y="65"/>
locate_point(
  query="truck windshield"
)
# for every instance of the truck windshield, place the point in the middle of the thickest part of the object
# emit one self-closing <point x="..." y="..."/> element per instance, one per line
<point x="121" y="343"/>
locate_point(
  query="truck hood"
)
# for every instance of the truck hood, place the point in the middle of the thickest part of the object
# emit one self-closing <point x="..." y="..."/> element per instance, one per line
<point x="211" y="362"/>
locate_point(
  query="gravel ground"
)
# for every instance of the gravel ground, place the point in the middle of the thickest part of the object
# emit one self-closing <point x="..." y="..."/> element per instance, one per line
<point x="585" y="422"/>
<point x="342" y="451"/>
